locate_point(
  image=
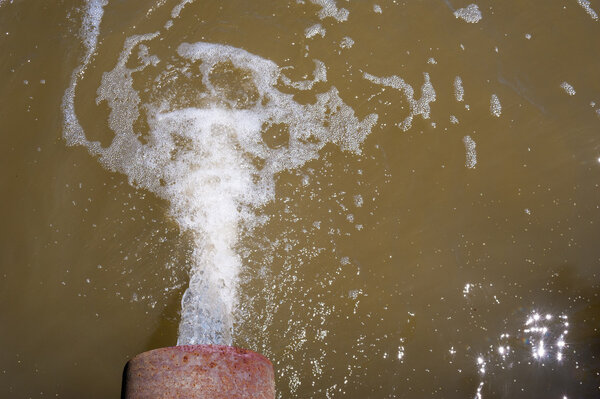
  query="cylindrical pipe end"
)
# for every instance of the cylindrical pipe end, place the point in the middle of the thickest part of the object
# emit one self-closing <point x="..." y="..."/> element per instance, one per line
<point x="198" y="372"/>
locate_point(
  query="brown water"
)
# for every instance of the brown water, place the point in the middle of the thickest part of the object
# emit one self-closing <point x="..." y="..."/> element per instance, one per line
<point x="453" y="258"/>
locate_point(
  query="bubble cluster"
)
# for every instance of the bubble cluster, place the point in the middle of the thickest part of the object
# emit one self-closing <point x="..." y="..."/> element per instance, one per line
<point x="471" y="154"/>
<point x="347" y="42"/>
<point x="587" y="6"/>
<point x="330" y="9"/>
<point x="495" y="106"/>
<point x="470" y="14"/>
<point x="459" y="91"/>
<point x="314" y="30"/>
<point x="568" y="88"/>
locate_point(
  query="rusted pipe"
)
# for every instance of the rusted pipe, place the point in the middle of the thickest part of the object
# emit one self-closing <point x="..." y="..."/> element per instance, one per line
<point x="198" y="372"/>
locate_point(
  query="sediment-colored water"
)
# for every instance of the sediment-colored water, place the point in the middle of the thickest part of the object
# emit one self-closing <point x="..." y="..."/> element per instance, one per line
<point x="387" y="199"/>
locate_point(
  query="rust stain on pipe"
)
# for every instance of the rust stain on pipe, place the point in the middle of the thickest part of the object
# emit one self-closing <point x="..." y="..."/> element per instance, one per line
<point x="198" y="372"/>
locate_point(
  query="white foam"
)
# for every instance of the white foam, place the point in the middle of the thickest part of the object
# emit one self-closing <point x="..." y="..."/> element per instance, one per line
<point x="470" y="14"/>
<point x="208" y="158"/>
<point x="471" y="153"/>
<point x="377" y="9"/>
<point x="319" y="75"/>
<point x="459" y="91"/>
<point x="347" y="42"/>
<point x="495" y="106"/>
<point x="419" y="106"/>
<point x="568" y="88"/>
<point x="176" y="11"/>
<point x="90" y="29"/>
<point x="314" y="30"/>
<point x="587" y="6"/>
<point x="330" y="10"/>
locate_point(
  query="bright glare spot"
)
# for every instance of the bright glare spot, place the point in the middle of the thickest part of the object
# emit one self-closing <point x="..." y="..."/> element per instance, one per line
<point x="467" y="289"/>
<point x="548" y="316"/>
<point x="561" y="343"/>
<point x="480" y="360"/>
<point x="541" y="351"/>
<point x="536" y="317"/>
<point x="559" y="356"/>
<point x="400" y="352"/>
<point x="478" y="395"/>
<point x="501" y="350"/>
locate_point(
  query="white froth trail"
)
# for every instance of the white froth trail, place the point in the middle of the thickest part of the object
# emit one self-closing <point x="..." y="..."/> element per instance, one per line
<point x="208" y="159"/>
<point x="319" y="75"/>
<point x="587" y="6"/>
<point x="176" y="11"/>
<point x="419" y="106"/>
<point x="90" y="29"/>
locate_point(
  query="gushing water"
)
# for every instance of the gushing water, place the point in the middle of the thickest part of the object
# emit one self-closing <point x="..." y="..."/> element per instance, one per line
<point x="209" y="111"/>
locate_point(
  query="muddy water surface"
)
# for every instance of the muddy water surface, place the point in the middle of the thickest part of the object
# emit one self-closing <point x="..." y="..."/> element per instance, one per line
<point x="387" y="199"/>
